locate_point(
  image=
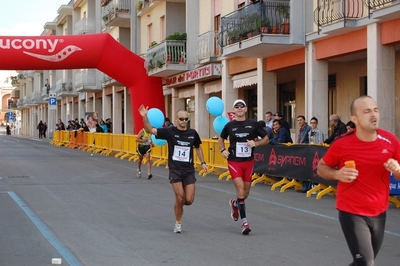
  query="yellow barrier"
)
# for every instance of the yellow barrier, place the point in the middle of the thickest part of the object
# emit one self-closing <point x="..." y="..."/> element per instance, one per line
<point x="56" y="137"/>
<point x="124" y="146"/>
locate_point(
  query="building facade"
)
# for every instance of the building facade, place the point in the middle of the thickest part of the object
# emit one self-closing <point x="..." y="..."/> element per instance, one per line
<point x="298" y="57"/>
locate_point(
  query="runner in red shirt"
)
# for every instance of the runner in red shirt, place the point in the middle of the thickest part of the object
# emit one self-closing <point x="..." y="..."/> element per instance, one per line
<point x="362" y="193"/>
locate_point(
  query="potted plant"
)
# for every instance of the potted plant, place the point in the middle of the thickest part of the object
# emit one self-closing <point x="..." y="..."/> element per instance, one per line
<point x="276" y="28"/>
<point x="64" y="86"/>
<point x="265" y="25"/>
<point x="153" y="43"/>
<point x="151" y="64"/>
<point x="139" y="5"/>
<point x="182" y="59"/>
<point x="233" y="36"/>
<point x="283" y="10"/>
<point x="159" y="64"/>
<point x="176" y="36"/>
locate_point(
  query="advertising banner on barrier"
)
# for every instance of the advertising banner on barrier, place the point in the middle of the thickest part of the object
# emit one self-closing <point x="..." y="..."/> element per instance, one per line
<point x="294" y="161"/>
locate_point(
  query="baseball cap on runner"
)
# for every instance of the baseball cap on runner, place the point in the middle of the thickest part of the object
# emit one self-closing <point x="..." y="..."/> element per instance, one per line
<point x="238" y="101"/>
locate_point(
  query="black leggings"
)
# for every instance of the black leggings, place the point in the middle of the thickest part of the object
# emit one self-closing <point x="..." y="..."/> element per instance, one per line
<point x="364" y="236"/>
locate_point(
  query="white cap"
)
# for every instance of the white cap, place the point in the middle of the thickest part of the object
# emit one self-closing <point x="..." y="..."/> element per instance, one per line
<point x="238" y="101"/>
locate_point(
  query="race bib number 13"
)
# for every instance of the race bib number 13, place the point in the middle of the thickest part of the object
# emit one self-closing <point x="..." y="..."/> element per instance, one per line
<point x="242" y="150"/>
<point x="181" y="154"/>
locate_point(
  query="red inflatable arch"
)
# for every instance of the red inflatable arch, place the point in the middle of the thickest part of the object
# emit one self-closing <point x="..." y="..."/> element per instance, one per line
<point x="99" y="51"/>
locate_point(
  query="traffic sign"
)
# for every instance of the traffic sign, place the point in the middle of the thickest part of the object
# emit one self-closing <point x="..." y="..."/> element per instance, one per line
<point x="52" y="103"/>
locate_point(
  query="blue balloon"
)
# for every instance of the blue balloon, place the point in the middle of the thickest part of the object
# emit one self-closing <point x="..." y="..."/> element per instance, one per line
<point x="158" y="142"/>
<point x="219" y="123"/>
<point x="215" y="106"/>
<point x="156" y="117"/>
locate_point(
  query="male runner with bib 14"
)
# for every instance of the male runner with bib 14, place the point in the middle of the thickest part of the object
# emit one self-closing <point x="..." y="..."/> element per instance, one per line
<point x="181" y="143"/>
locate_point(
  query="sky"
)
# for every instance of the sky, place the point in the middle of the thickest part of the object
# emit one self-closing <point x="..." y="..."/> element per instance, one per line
<point x="26" y="18"/>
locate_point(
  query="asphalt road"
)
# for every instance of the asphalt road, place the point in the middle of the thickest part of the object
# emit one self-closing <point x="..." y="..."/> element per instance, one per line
<point x="57" y="202"/>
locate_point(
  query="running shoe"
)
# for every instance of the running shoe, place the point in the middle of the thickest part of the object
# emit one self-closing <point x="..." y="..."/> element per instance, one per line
<point x="234" y="210"/>
<point x="149" y="176"/>
<point x="178" y="228"/>
<point x="138" y="174"/>
<point x="246" y="228"/>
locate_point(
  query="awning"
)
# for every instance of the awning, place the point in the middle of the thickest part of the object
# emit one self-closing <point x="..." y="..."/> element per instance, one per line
<point x="212" y="87"/>
<point x="245" y="79"/>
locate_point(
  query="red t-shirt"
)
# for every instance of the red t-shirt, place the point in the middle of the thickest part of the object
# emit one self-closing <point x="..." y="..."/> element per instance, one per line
<point x="368" y="194"/>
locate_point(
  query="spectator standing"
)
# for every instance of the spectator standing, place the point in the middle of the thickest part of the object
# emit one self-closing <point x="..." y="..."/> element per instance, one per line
<point x="103" y="126"/>
<point x="284" y="123"/>
<point x="350" y="126"/>
<point x="270" y="134"/>
<point x="339" y="128"/>
<point x="109" y="125"/>
<point x="168" y="122"/>
<point x="61" y="124"/>
<point x="243" y="136"/>
<point x="363" y="187"/>
<point x="268" y="119"/>
<point x="144" y="149"/>
<point x="44" y="129"/>
<point x="8" y="130"/>
<point x="302" y="137"/>
<point x="315" y="135"/>
<point x="99" y="129"/>
<point x="47" y="86"/>
<point x="181" y="142"/>
<point x="40" y="128"/>
<point x="84" y="127"/>
<point x="281" y="133"/>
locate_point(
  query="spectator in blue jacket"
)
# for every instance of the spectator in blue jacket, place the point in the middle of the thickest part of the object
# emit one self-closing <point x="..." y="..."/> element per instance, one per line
<point x="282" y="135"/>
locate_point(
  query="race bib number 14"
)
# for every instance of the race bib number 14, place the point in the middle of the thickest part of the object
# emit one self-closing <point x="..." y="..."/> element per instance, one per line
<point x="181" y="154"/>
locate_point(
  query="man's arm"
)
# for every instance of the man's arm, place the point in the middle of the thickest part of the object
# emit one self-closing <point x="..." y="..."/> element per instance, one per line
<point x="221" y="143"/>
<point x="143" y="112"/>
<point x="200" y="155"/>
<point x="139" y="136"/>
<point x="392" y="165"/>
<point x="262" y="142"/>
<point x="344" y="174"/>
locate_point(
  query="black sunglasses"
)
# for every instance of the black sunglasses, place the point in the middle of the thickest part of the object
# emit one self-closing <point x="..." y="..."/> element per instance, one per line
<point x="238" y="106"/>
<point x="184" y="118"/>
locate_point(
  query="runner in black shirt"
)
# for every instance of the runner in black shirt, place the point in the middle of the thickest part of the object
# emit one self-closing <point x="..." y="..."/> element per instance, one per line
<point x="243" y="137"/>
<point x="181" y="142"/>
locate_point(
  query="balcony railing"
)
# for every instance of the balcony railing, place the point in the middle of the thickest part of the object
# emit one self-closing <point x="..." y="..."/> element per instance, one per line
<point x="64" y="88"/>
<point x="20" y="102"/>
<point x="331" y="11"/>
<point x="272" y="17"/>
<point x="12" y="105"/>
<point x="28" y="101"/>
<point x="85" y="80"/>
<point x="208" y="47"/>
<point x="166" y="53"/>
<point x="37" y="98"/>
<point x="116" y="9"/>
<point x="85" y="25"/>
<point x="374" y="5"/>
<point x="15" y="93"/>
